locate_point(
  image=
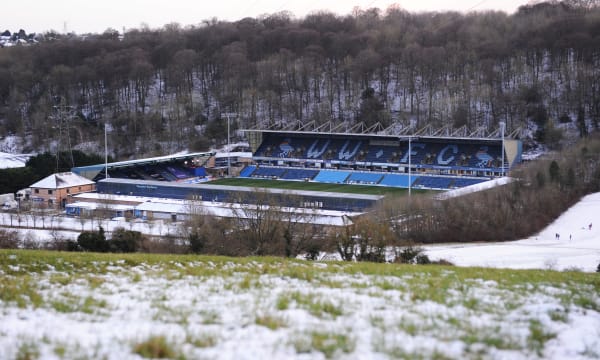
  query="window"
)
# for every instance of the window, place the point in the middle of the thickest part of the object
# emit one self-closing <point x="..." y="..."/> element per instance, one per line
<point x="68" y="191"/>
<point x="37" y="191"/>
<point x="49" y="192"/>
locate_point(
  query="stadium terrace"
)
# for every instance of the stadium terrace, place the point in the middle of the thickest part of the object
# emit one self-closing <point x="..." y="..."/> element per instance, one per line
<point x="416" y="161"/>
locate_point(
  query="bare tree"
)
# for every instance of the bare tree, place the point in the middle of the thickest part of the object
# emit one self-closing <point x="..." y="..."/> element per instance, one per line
<point x="300" y="234"/>
<point x="205" y="233"/>
<point x="258" y="220"/>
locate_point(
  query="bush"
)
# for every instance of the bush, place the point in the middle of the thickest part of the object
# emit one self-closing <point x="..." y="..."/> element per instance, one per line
<point x="422" y="259"/>
<point x="442" y="262"/>
<point x="122" y="241"/>
<point x="598" y="269"/>
<point x="167" y="244"/>
<point x="312" y="252"/>
<point x="197" y="242"/>
<point x="93" y="241"/>
<point x="31" y="243"/>
<point x="409" y="255"/>
<point x="125" y="240"/>
<point x="373" y="257"/>
<point x="65" y="245"/>
<point x="414" y="255"/>
<point x="9" y="239"/>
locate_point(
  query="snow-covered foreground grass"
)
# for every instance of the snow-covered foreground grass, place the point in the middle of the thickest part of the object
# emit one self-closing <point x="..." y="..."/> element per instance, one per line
<point x="83" y="305"/>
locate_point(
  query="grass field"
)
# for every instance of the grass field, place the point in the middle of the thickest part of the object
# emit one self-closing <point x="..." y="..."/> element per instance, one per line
<point x="314" y="186"/>
<point x="86" y="305"/>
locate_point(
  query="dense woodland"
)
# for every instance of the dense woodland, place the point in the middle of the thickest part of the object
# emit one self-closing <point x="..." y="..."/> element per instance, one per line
<point x="162" y="90"/>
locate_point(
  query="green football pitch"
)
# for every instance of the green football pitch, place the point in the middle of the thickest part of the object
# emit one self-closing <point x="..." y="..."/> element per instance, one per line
<point x="313" y="186"/>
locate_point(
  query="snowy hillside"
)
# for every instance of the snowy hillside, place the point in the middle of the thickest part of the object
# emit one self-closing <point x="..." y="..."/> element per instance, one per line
<point x="578" y="244"/>
<point x="13" y="160"/>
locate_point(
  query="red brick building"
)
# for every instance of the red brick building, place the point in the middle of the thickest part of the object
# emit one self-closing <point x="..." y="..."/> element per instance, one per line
<point x="54" y="189"/>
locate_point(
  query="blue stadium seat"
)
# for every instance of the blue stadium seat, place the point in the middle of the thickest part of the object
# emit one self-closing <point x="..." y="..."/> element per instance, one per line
<point x="168" y="176"/>
<point x="329" y="176"/>
<point x="364" y="178"/>
<point x="433" y="182"/>
<point x="247" y="171"/>
<point x="398" y="180"/>
<point x="462" y="182"/>
<point x="446" y="182"/>
<point x="178" y="172"/>
<point x="200" y="171"/>
<point x="383" y="154"/>
<point x="299" y="174"/>
<point x="268" y="172"/>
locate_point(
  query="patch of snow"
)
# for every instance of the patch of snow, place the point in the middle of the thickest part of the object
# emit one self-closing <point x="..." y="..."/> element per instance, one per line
<point x="11" y="144"/>
<point x="62" y="180"/>
<point x="125" y="310"/>
<point x="8" y="160"/>
<point x="578" y="246"/>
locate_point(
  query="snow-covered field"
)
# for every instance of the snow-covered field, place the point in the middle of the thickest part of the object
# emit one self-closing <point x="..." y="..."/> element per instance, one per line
<point x="578" y="245"/>
<point x="57" y="305"/>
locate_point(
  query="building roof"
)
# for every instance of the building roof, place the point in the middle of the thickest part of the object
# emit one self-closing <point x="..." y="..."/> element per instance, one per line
<point x="62" y="180"/>
<point x="220" y="209"/>
<point x="242" y="154"/>
<point x="94" y="206"/>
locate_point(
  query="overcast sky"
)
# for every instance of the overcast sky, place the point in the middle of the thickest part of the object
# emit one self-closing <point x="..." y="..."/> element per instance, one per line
<point x="82" y="16"/>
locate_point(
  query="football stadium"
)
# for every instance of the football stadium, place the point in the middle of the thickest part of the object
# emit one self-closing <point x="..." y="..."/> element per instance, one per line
<point x="340" y="172"/>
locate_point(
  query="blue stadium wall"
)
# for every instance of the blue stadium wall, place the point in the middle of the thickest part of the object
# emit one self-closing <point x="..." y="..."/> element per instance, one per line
<point x="339" y="202"/>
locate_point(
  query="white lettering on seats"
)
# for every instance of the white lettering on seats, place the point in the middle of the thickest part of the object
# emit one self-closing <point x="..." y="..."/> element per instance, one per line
<point x="440" y="158"/>
<point x="313" y="152"/>
<point x="413" y="152"/>
<point x="347" y="155"/>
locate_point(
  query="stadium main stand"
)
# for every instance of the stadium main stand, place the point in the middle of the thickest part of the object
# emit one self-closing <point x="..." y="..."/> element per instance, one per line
<point x="435" y="162"/>
<point x="424" y="153"/>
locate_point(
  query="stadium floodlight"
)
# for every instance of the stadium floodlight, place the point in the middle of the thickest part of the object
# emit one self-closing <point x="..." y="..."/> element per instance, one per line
<point x="227" y="115"/>
<point x="105" y="153"/>
<point x="409" y="164"/>
<point x="502" y="126"/>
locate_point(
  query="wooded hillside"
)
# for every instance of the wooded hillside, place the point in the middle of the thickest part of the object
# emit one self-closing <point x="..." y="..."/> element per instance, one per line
<point x="163" y="90"/>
